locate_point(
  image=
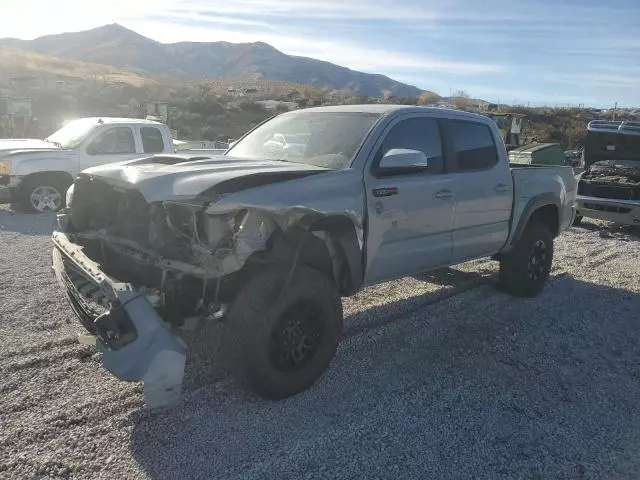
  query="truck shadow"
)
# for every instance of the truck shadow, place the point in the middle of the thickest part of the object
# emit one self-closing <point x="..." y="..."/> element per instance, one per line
<point x="480" y="384"/>
<point x="31" y="224"/>
<point x="203" y="367"/>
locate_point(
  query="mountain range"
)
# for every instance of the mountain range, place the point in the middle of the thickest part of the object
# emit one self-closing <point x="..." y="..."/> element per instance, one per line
<point x="120" y="47"/>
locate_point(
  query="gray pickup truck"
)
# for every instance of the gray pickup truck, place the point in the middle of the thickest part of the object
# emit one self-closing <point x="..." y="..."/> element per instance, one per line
<point x="268" y="244"/>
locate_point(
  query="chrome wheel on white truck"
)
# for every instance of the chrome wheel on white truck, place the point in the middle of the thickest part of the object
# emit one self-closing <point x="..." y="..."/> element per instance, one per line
<point x="43" y="193"/>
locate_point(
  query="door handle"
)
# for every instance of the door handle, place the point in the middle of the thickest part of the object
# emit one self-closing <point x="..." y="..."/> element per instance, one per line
<point x="385" y="191"/>
<point x="443" y="194"/>
<point x="501" y="187"/>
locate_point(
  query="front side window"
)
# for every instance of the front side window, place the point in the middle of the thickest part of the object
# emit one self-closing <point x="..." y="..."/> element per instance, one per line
<point x="474" y="146"/>
<point x="117" y="140"/>
<point x="152" y="140"/>
<point x="422" y="134"/>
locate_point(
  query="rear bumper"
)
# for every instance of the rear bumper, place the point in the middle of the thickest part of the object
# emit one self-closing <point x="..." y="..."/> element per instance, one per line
<point x="625" y="212"/>
<point x="133" y="339"/>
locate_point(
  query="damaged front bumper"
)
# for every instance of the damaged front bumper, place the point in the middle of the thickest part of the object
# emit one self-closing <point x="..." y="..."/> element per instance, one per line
<point x="134" y="341"/>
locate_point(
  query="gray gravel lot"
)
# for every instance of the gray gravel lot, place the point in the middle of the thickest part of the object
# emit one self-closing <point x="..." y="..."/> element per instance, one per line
<point x="438" y="376"/>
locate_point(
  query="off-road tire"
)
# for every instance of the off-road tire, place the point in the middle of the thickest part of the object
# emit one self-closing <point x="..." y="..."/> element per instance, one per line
<point x="31" y="184"/>
<point x="254" y="324"/>
<point x="517" y="272"/>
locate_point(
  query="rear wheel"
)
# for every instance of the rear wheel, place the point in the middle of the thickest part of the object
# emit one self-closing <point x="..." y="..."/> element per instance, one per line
<point x="282" y="341"/>
<point x="43" y="193"/>
<point x="525" y="270"/>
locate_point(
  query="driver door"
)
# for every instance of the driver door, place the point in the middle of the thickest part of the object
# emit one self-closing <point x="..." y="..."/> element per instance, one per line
<point x="113" y="144"/>
<point x="410" y="216"/>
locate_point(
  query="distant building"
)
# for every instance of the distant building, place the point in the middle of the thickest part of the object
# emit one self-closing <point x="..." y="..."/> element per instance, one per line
<point x="236" y="92"/>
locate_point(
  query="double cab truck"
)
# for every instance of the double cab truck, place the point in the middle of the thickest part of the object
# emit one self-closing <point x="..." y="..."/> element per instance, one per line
<point x="35" y="174"/>
<point x="269" y="245"/>
<point x="609" y="188"/>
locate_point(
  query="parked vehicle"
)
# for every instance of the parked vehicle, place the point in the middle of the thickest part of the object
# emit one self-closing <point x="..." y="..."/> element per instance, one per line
<point x="284" y="146"/>
<point x="268" y="246"/>
<point x="609" y="188"/>
<point x="538" y="154"/>
<point x="37" y="173"/>
<point x="200" y="147"/>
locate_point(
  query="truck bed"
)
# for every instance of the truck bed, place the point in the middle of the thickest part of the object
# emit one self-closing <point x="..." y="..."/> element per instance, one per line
<point x="531" y="181"/>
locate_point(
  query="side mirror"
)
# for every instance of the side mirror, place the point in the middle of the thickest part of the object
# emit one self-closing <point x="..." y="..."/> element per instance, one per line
<point x="398" y="161"/>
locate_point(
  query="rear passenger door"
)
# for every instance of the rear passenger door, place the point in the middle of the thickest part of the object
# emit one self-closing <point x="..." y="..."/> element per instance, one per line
<point x="483" y="190"/>
<point x="152" y="140"/>
<point x="410" y="216"/>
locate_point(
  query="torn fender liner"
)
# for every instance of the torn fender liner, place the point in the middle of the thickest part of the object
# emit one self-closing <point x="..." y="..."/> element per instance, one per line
<point x="142" y="348"/>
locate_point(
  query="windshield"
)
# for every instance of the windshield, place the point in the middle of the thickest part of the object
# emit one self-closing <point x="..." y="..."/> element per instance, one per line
<point x="323" y="139"/>
<point x="73" y="133"/>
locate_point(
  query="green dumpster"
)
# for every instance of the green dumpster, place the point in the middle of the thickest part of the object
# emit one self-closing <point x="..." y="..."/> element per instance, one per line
<point x="538" y="154"/>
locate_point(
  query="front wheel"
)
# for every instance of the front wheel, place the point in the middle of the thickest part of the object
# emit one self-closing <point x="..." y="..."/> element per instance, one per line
<point x="42" y="193"/>
<point x="525" y="270"/>
<point x="284" y="334"/>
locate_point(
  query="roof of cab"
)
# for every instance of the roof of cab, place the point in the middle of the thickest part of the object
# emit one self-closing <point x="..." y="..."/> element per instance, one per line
<point x="120" y="120"/>
<point x="384" y="109"/>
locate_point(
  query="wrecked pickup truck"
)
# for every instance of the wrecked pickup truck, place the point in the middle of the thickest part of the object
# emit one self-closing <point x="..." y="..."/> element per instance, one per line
<point x="269" y="246"/>
<point x="609" y="188"/>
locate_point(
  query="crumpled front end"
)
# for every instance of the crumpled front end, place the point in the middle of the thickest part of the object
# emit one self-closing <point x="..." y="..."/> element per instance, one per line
<point x="136" y="271"/>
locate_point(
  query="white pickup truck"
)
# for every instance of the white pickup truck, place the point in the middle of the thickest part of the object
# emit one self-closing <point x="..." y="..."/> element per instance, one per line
<point x="268" y="245"/>
<point x="36" y="173"/>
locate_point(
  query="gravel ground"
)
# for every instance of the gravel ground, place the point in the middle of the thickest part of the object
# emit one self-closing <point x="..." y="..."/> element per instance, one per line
<point x="438" y="376"/>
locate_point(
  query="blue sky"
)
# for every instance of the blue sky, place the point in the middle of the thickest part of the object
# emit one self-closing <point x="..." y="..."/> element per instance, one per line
<point x="535" y="51"/>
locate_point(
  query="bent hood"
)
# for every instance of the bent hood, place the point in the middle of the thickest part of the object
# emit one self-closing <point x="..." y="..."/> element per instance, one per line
<point x="160" y="182"/>
<point x="12" y="144"/>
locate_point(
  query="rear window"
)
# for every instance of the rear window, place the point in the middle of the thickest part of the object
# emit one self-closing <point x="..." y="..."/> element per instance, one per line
<point x="152" y="140"/>
<point x="474" y="146"/>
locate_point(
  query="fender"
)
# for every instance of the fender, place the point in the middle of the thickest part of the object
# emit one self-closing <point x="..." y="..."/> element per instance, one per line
<point x="344" y="239"/>
<point x="535" y="203"/>
<point x="26" y="163"/>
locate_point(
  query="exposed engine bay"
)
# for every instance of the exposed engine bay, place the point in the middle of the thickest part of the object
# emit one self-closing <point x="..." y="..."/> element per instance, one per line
<point x="185" y="258"/>
<point x="613" y="179"/>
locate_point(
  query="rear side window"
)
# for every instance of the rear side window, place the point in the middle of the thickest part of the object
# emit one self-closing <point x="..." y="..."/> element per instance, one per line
<point x="474" y="146"/>
<point x="152" y="140"/>
<point x="421" y="134"/>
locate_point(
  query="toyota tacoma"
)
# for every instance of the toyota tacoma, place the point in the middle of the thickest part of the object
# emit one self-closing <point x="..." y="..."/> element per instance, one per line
<point x="269" y="245"/>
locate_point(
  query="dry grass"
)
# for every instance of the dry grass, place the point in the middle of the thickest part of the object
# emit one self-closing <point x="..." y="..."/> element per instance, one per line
<point x="14" y="61"/>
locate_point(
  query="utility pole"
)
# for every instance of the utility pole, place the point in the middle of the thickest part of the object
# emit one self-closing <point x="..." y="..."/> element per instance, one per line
<point x="615" y="107"/>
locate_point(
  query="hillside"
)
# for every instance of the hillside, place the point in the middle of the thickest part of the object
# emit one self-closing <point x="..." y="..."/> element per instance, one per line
<point x="20" y="62"/>
<point x="122" y="48"/>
